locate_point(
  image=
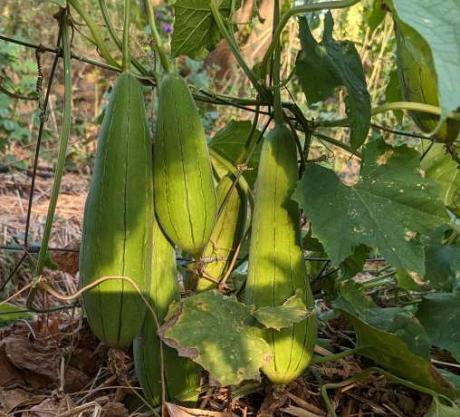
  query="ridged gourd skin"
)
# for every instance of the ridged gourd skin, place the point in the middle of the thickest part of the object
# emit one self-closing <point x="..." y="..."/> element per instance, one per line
<point x="419" y="82"/>
<point x="182" y="376"/>
<point x="276" y="263"/>
<point x="117" y="225"/>
<point x="185" y="198"/>
<point x="226" y="235"/>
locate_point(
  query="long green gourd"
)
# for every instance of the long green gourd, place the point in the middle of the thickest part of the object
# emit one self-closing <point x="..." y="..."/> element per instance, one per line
<point x="419" y="81"/>
<point x="226" y="236"/>
<point x="276" y="263"/>
<point x="185" y="198"/>
<point x="182" y="376"/>
<point x="117" y="225"/>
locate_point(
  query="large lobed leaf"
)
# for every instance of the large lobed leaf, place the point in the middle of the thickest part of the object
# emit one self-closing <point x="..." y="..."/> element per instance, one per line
<point x="392" y="208"/>
<point x="437" y="23"/>
<point x="322" y="67"/>
<point x="195" y="31"/>
<point x="219" y="333"/>
<point x="223" y="335"/>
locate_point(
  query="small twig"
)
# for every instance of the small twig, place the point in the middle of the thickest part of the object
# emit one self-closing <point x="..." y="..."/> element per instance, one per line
<point x="16" y="294"/>
<point x="16" y="95"/>
<point x="399" y="132"/>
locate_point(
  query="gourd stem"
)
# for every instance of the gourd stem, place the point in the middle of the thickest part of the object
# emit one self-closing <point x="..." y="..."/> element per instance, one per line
<point x="63" y="142"/>
<point x="157" y="43"/>
<point x="276" y="69"/>
<point x="116" y="39"/>
<point x="395" y="105"/>
<point x="95" y="33"/>
<point x="125" y="49"/>
<point x="264" y="93"/>
<point x="296" y="11"/>
<point x="408" y="105"/>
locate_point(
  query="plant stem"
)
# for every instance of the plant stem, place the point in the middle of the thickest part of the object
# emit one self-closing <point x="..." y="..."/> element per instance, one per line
<point x="116" y="39"/>
<point x="295" y="11"/>
<point x="264" y="93"/>
<point x="337" y="143"/>
<point x="409" y="105"/>
<point x="125" y="49"/>
<point x="157" y="43"/>
<point x="395" y="105"/>
<point x="95" y="33"/>
<point x="335" y="356"/>
<point x="276" y="69"/>
<point x="63" y="142"/>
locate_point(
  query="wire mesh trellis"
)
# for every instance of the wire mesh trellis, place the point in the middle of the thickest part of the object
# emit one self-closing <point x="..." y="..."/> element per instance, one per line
<point x="25" y="247"/>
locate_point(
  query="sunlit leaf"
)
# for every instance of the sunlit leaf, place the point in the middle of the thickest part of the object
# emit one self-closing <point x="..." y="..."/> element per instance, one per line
<point x="218" y="333"/>
<point x="230" y="141"/>
<point x="439" y="166"/>
<point x="292" y="311"/>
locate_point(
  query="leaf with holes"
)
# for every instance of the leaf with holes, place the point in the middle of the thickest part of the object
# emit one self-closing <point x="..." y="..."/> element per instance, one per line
<point x="392" y="208"/>
<point x="220" y="334"/>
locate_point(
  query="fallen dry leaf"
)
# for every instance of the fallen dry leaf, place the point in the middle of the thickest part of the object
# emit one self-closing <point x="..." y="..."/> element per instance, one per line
<point x="174" y="410"/>
<point x="299" y="412"/>
<point x="51" y="407"/>
<point x="11" y="399"/>
<point x="9" y="375"/>
<point x="114" y="409"/>
<point x="38" y="359"/>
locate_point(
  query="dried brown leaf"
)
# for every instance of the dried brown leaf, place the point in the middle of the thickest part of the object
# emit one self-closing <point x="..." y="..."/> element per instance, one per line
<point x="11" y="399"/>
<point x="174" y="410"/>
<point x="114" y="409"/>
<point x="299" y="412"/>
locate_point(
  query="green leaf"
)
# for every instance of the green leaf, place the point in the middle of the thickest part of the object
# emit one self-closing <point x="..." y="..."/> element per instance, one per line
<point x="436" y="22"/>
<point x="393" y="93"/>
<point x="220" y="334"/>
<point x="195" y="31"/>
<point x="442" y="262"/>
<point x="439" y="314"/>
<point x="322" y="67"/>
<point x="392" y="338"/>
<point x="291" y="312"/>
<point x="354" y="264"/>
<point x="438" y="409"/>
<point x="374" y="13"/>
<point x="392" y="207"/>
<point x="440" y="167"/>
<point x="229" y="142"/>
<point x="10" y="313"/>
